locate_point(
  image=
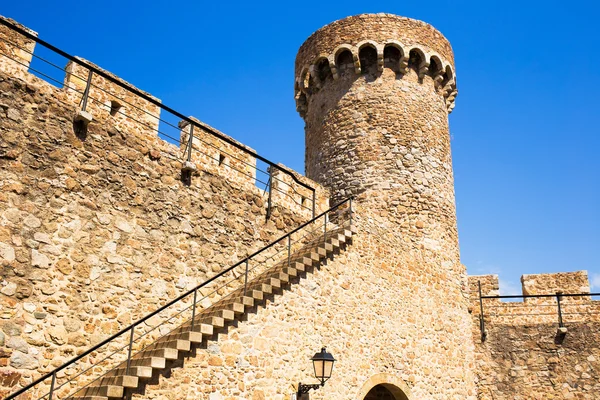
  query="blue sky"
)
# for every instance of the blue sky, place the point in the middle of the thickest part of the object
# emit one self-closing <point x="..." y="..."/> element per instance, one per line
<point x="525" y="130"/>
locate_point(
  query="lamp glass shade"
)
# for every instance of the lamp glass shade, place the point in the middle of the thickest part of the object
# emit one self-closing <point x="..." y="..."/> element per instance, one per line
<point x="323" y="364"/>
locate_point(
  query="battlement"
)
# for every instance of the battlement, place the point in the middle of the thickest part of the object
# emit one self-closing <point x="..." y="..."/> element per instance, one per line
<point x="127" y="110"/>
<point x="536" y="309"/>
<point x="18" y="48"/>
<point x="535" y="284"/>
<point x="109" y="102"/>
<point x="400" y="44"/>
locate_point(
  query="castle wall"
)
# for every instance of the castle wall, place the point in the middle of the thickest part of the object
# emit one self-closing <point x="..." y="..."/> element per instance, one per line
<point x="18" y="48"/>
<point x="524" y="356"/>
<point x="365" y="317"/>
<point x="96" y="232"/>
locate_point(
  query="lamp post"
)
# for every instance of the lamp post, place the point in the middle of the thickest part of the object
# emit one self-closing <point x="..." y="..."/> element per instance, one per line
<point x="323" y="365"/>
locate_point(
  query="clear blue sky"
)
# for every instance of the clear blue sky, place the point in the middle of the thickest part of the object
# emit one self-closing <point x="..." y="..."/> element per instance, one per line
<point x="526" y="128"/>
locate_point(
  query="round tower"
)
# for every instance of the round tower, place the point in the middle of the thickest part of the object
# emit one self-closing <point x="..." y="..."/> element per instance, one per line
<point x="375" y="91"/>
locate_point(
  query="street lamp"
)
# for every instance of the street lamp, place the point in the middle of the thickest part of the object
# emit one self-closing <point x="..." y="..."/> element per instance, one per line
<point x="323" y="365"/>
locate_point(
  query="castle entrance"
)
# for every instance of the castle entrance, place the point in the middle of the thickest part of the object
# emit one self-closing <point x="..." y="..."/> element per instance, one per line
<point x="385" y="392"/>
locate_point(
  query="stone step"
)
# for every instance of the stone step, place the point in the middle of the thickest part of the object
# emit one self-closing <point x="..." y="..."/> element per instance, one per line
<point x="224" y="313"/>
<point x="188" y="336"/>
<point x="110" y="391"/>
<point x="88" y="398"/>
<point x="166" y="353"/>
<point x="178" y="344"/>
<point x="138" y="371"/>
<point x="199" y="327"/>
<point x="291" y="271"/>
<point x="128" y="381"/>
<point x="154" y="362"/>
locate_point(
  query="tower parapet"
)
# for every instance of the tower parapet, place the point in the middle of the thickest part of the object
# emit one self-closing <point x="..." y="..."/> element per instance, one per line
<point x="401" y="43"/>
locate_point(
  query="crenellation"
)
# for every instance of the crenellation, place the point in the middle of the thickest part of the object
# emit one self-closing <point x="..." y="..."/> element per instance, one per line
<point x="312" y="77"/>
<point x="110" y="103"/>
<point x="215" y="156"/>
<point x="16" y="50"/>
<point x="537" y="310"/>
<point x="286" y="192"/>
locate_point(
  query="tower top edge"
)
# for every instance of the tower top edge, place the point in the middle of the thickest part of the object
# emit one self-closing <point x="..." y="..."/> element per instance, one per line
<point x="379" y="27"/>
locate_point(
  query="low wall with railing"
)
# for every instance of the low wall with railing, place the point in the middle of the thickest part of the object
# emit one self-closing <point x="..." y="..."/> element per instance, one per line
<point x="541" y="344"/>
<point x="97" y="228"/>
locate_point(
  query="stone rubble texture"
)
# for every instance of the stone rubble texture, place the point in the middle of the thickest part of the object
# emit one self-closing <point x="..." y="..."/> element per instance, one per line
<point x="98" y="231"/>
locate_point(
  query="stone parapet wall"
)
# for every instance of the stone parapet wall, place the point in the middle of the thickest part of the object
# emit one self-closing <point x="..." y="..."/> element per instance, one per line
<point x="98" y="231"/>
<point x="109" y="102"/>
<point x="16" y="50"/>
<point x="215" y="156"/>
<point x="524" y="354"/>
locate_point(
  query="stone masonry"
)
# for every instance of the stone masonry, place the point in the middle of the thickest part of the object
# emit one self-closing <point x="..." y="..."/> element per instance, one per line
<point x="524" y="355"/>
<point x="96" y="233"/>
<point x="97" y="229"/>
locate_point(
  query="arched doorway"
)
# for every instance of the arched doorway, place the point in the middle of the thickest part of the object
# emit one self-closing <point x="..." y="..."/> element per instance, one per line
<point x="384" y="387"/>
<point x="380" y="392"/>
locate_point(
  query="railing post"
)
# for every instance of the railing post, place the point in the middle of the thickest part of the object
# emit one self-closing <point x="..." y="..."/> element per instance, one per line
<point x="325" y="230"/>
<point x="270" y="184"/>
<point x="190" y="143"/>
<point x="52" y="383"/>
<point x="350" y="211"/>
<point x="86" y="92"/>
<point x="246" y="278"/>
<point x="481" y="315"/>
<point x="314" y="201"/>
<point x="560" y="319"/>
<point x="289" y="250"/>
<point x="194" y="309"/>
<point x="129" y="350"/>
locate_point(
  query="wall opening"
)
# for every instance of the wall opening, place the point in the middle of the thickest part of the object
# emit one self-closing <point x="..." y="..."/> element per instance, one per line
<point x="385" y="392"/>
<point x="391" y="58"/>
<point x="115" y="106"/>
<point x="345" y="61"/>
<point x="323" y="70"/>
<point x="414" y="60"/>
<point x="447" y="77"/>
<point x="435" y="68"/>
<point x="222" y="159"/>
<point x="368" y="59"/>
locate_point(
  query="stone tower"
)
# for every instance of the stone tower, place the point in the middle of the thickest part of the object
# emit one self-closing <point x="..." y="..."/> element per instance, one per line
<point x="375" y="91"/>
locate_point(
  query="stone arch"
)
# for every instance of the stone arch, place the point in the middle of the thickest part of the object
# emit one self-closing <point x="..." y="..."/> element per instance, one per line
<point x="345" y="58"/>
<point x="448" y="76"/>
<point x="384" y="382"/>
<point x="367" y="56"/>
<point x="436" y="69"/>
<point x="418" y="61"/>
<point x="388" y="54"/>
<point x="322" y="68"/>
<point x="370" y="55"/>
<point x="305" y="79"/>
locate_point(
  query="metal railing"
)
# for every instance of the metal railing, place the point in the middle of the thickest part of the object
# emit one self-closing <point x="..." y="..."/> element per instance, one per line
<point x="559" y="306"/>
<point x="264" y="175"/>
<point x="58" y="384"/>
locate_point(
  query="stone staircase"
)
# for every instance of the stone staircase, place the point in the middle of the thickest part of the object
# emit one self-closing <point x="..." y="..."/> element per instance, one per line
<point x="122" y="381"/>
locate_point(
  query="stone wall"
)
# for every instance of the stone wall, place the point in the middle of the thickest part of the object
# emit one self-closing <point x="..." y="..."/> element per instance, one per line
<point x="524" y="355"/>
<point x="97" y="231"/>
<point x="18" y="48"/>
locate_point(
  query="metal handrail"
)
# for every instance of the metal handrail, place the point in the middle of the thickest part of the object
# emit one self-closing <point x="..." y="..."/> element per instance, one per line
<point x="558" y="296"/>
<point x="131" y="327"/>
<point x="157" y="103"/>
